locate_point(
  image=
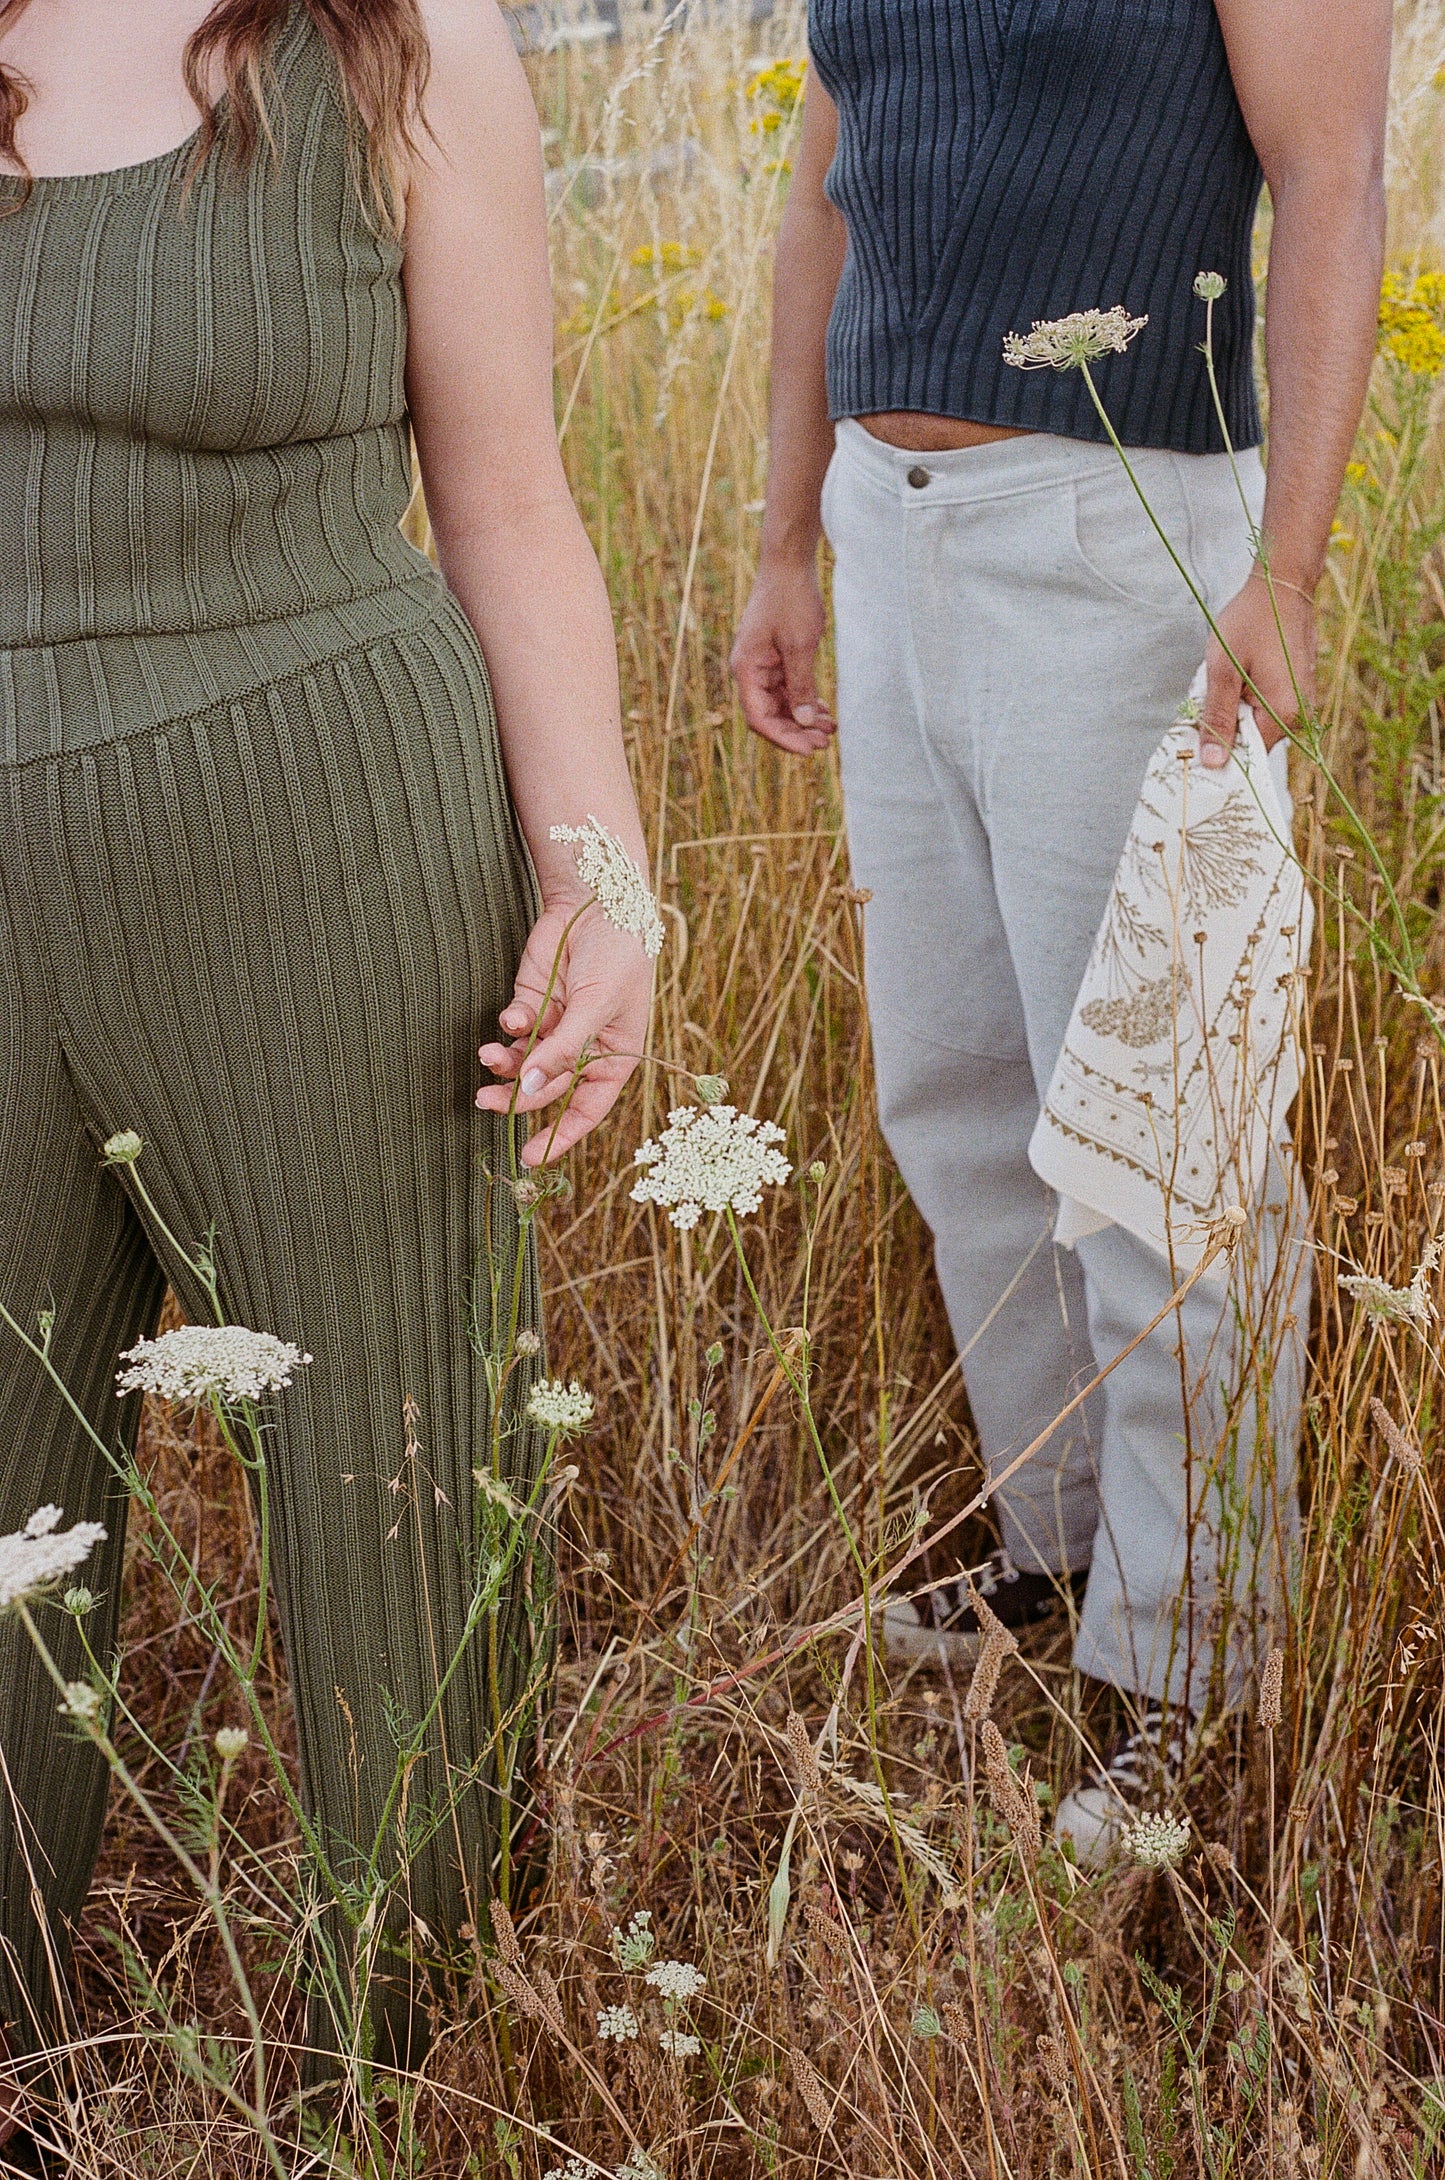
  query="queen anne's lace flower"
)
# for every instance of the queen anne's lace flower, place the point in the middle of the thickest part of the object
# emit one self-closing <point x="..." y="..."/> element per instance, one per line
<point x="615" y="882"/>
<point x="231" y="1742"/>
<point x="1062" y="344"/>
<point x="712" y="1158"/>
<point x="42" y="1552"/>
<point x="196" y="1363"/>
<point x="1156" y="1841"/>
<point x="679" y="2045"/>
<point x="559" y="1407"/>
<point x="1387" y="1305"/>
<point x="616" y="2024"/>
<point x="676" y="1979"/>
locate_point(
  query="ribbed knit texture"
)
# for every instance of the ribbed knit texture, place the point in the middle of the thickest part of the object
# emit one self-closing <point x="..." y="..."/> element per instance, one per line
<point x="1002" y="161"/>
<point x="262" y="894"/>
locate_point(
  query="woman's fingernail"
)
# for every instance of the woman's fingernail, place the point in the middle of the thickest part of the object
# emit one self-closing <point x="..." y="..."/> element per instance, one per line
<point x="533" y="1081"/>
<point x="805" y="714"/>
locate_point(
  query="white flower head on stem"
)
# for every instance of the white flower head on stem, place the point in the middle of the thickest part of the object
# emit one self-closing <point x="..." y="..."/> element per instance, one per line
<point x="635" y="1946"/>
<point x="41" y="1553"/>
<point x="615" y="882"/>
<point x="616" y="2024"/>
<point x="710" y="1158"/>
<point x="123" y="1149"/>
<point x="231" y="1742"/>
<point x="1157" y="1842"/>
<point x="1387" y="1305"/>
<point x="679" y="2045"/>
<point x="1062" y="344"/>
<point x="1209" y="286"/>
<point x="197" y="1363"/>
<point x="676" y="1979"/>
<point x="82" y="1702"/>
<point x="565" y="1409"/>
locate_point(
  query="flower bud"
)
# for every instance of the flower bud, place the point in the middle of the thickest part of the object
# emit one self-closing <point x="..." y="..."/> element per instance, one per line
<point x="528" y="1341"/>
<point x="1209" y="286"/>
<point x="711" y="1089"/>
<point x="123" y="1149"/>
<point x="80" y="1602"/>
<point x="231" y="1741"/>
<point x="817" y="1173"/>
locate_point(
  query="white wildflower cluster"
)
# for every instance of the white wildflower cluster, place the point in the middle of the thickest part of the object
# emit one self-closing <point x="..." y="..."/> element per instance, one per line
<point x="638" y="2167"/>
<point x="1156" y="1841"/>
<point x="561" y="1408"/>
<point x="1387" y="1305"/>
<point x="231" y="1742"/>
<point x="676" y="1979"/>
<point x="1062" y="344"/>
<point x="42" y="1552"/>
<point x="197" y="1363"/>
<point x="635" y="1946"/>
<point x="712" y="1158"/>
<point x="615" y="882"/>
<point x="679" y="2045"/>
<point x="82" y="1702"/>
<point x="616" y="2024"/>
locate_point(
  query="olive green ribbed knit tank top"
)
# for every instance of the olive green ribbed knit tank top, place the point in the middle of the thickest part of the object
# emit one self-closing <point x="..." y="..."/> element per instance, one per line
<point x="204" y="448"/>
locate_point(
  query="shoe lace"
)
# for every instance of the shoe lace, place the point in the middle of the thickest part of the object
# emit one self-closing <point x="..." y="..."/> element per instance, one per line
<point x="991" y="1575"/>
<point x="1148" y="1749"/>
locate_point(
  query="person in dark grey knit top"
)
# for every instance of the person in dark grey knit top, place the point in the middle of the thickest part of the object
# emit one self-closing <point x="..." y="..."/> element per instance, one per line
<point x="1012" y="641"/>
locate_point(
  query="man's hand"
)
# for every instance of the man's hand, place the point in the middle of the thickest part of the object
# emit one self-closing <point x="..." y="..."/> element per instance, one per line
<point x="775" y="655"/>
<point x="1277" y="655"/>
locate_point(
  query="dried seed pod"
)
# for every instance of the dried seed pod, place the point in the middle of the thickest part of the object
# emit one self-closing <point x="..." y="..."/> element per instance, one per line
<point x="505" y="1936"/>
<point x="998" y="1644"/>
<point x="1404" y="1449"/>
<point x="1013" y="1798"/>
<point x="812" y="2089"/>
<point x="805" y="1761"/>
<point x="1271" y="1683"/>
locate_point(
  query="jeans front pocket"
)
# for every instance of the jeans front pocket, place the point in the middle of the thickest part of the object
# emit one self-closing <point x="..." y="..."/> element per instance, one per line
<point x="1116" y="540"/>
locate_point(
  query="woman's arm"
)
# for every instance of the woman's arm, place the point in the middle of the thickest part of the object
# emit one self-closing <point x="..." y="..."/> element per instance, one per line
<point x="1312" y="84"/>
<point x="513" y="549"/>
<point x="782" y="625"/>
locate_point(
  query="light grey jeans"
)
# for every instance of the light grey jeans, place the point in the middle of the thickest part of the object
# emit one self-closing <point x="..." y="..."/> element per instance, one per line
<point x="1012" y="642"/>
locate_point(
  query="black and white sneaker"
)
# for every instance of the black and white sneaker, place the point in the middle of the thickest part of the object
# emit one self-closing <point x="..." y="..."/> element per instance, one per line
<point x="942" y="1625"/>
<point x="1140" y="1771"/>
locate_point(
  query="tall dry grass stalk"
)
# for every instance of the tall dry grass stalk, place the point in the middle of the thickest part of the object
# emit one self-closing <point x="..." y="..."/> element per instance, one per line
<point x="897" y="1982"/>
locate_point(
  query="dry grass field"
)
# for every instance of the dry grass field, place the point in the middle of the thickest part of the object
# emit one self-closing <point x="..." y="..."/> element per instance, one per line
<point x="890" y="1981"/>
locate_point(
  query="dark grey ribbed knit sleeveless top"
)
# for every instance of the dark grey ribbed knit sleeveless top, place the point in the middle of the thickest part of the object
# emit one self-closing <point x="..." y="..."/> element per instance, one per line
<point x="1001" y="161"/>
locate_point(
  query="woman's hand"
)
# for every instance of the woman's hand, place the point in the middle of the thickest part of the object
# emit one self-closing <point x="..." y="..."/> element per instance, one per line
<point x="596" y="1015"/>
<point x="775" y="654"/>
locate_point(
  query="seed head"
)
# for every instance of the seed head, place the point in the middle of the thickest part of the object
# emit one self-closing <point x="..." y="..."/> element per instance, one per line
<point x="82" y="1702"/>
<point x="616" y="2024"/>
<point x="528" y="1341"/>
<point x="123" y="1149"/>
<point x="998" y="1644"/>
<point x="198" y="1363"/>
<point x="711" y="1089"/>
<point x="1063" y="344"/>
<point x="710" y="1159"/>
<point x="1156" y="1841"/>
<point x="565" y="1409"/>
<point x="37" y="1556"/>
<point x="1271" y="1682"/>
<point x="1013" y="1798"/>
<point x="615" y="882"/>
<point x="1209" y="286"/>
<point x="1404" y="1449"/>
<point x="800" y="1748"/>
<point x="231" y="1742"/>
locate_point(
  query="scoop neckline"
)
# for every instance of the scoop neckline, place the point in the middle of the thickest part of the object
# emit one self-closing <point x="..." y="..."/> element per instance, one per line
<point x="30" y="183"/>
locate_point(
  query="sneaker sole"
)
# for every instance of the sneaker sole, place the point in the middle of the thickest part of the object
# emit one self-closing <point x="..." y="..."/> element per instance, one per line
<point x="903" y="1637"/>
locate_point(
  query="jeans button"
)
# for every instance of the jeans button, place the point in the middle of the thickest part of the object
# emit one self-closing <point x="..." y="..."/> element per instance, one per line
<point x="918" y="476"/>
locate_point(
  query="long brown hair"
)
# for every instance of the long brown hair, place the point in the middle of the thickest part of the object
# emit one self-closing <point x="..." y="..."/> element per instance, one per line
<point x="380" y="47"/>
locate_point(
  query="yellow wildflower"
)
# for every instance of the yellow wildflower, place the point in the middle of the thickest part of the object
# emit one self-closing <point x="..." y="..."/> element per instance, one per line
<point x="1412" y="321"/>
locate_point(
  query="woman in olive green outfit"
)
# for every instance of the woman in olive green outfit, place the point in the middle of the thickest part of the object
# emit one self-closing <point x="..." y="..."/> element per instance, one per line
<point x="265" y="880"/>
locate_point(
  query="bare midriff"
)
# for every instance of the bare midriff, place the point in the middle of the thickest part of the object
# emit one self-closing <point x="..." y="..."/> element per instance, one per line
<point x="920" y="434"/>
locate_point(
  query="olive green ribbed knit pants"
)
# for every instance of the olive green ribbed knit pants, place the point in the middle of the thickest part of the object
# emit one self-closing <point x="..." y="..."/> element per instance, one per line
<point x="269" y="937"/>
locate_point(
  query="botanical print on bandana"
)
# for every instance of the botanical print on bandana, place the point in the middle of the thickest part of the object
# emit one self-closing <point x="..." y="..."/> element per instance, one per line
<point x="1180" y="1060"/>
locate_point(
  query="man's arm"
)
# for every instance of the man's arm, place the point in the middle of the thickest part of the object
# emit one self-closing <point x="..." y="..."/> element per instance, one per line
<point x="782" y="624"/>
<point x="1312" y="81"/>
